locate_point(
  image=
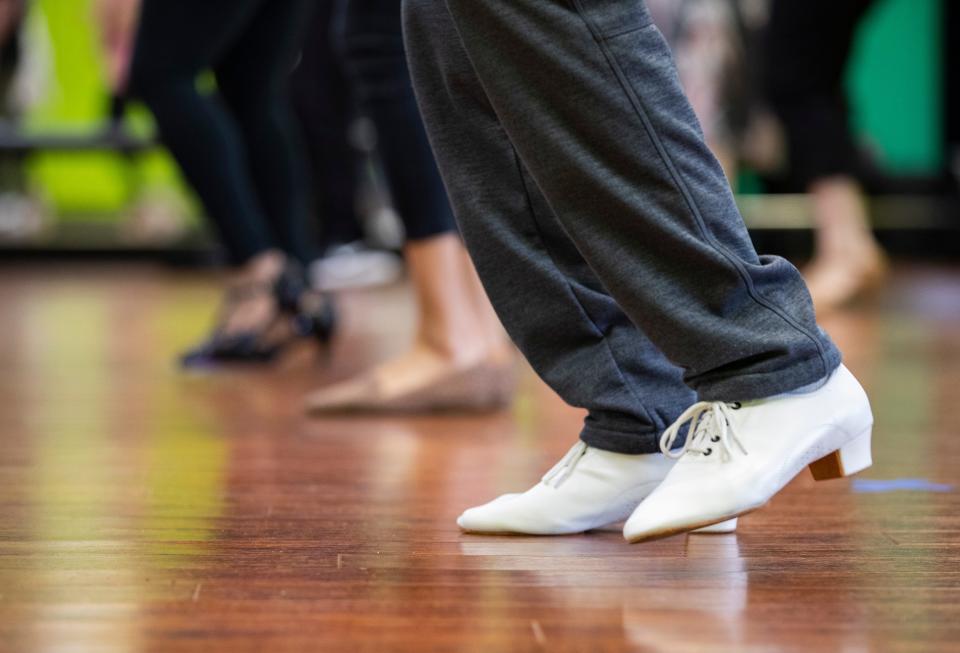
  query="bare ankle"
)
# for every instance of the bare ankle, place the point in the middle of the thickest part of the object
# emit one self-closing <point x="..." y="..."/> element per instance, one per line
<point x="264" y="267"/>
<point x="455" y="348"/>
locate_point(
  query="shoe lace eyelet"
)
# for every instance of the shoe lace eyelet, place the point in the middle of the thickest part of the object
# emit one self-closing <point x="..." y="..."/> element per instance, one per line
<point x="736" y="405"/>
<point x="708" y="451"/>
<point x="715" y="438"/>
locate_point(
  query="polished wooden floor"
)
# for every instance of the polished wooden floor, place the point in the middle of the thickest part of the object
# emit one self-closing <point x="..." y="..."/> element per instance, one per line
<point x="144" y="509"/>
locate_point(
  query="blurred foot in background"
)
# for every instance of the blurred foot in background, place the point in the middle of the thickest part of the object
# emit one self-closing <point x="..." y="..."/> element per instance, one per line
<point x="848" y="262"/>
<point x="355" y="265"/>
<point x="268" y="306"/>
<point x="238" y="147"/>
<point x="460" y="358"/>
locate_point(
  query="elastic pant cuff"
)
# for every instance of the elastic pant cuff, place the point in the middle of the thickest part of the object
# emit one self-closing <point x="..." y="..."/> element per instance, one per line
<point x="628" y="442"/>
<point x="746" y="387"/>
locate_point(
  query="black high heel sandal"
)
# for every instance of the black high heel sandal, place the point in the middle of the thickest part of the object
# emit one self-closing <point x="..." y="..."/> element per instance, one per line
<point x="310" y="316"/>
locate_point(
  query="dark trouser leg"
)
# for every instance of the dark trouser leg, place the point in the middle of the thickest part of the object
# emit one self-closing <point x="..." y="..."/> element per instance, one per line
<point x="551" y="303"/>
<point x="253" y="78"/>
<point x="587" y="94"/>
<point x="372" y="44"/>
<point x="175" y="42"/>
<point x="324" y="106"/>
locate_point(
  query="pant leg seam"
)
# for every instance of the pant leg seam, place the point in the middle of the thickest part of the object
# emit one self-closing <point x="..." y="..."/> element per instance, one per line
<point x="655" y="421"/>
<point x="627" y="30"/>
<point x="684" y="191"/>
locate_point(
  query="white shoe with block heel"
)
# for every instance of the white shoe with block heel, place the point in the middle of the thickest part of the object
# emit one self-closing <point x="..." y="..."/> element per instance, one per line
<point x="741" y="454"/>
<point x="589" y="488"/>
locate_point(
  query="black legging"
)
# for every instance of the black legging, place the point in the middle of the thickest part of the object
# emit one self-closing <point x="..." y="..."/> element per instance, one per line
<point x="807" y="49"/>
<point x="371" y="37"/>
<point x="322" y="99"/>
<point x="241" y="155"/>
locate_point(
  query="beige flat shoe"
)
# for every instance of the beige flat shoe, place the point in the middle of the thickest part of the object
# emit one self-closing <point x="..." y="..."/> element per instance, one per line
<point x="478" y="388"/>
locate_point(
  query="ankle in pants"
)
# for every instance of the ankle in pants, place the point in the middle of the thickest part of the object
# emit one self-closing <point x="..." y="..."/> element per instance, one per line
<point x="602" y="227"/>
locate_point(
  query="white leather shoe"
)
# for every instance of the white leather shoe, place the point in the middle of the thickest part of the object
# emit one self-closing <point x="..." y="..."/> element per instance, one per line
<point x="740" y="455"/>
<point x="589" y="488"/>
<point x="720" y="528"/>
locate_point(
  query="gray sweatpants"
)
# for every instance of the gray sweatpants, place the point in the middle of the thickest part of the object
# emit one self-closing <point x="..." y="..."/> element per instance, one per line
<point x="602" y="227"/>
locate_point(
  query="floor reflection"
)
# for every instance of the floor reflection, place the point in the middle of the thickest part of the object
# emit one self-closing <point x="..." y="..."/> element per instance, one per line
<point x="144" y="509"/>
<point x="705" y="612"/>
<point x="100" y="455"/>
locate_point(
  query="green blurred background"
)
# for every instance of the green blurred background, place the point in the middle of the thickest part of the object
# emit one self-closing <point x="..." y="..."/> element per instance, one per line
<point x="895" y="81"/>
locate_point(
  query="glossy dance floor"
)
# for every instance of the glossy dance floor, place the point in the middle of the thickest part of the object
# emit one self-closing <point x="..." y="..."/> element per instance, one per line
<point x="142" y="509"/>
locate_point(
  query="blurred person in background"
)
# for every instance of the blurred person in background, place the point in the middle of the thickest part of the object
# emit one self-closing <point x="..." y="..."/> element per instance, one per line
<point x="707" y="43"/>
<point x="808" y="46"/>
<point x="12" y="14"/>
<point x="117" y="24"/>
<point x="26" y="76"/>
<point x="323" y="102"/>
<point x="351" y="253"/>
<point x="239" y="149"/>
<point x="460" y="358"/>
<point x="24" y="62"/>
<point x="11" y="19"/>
<point x="158" y="213"/>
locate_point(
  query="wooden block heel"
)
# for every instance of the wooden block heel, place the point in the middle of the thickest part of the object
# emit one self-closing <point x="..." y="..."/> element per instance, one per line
<point x="849" y="459"/>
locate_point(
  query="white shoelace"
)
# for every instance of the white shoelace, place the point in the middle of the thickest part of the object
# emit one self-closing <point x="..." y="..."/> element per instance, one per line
<point x="563" y="469"/>
<point x="711" y="428"/>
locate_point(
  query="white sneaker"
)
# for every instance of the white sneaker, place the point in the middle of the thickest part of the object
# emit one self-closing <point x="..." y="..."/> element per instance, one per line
<point x="589" y="488"/>
<point x="720" y="528"/>
<point x="355" y="265"/>
<point x="740" y="455"/>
